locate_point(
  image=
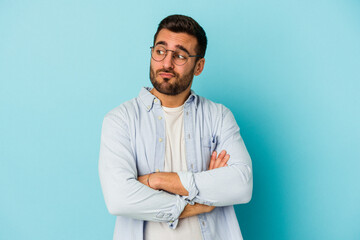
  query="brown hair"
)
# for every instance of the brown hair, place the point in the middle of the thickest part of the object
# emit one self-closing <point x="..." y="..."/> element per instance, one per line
<point x="185" y="24"/>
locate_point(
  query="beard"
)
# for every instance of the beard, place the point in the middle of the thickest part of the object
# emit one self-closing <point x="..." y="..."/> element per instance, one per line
<point x="165" y="87"/>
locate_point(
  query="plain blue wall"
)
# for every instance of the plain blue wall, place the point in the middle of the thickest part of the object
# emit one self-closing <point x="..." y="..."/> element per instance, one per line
<point x="289" y="71"/>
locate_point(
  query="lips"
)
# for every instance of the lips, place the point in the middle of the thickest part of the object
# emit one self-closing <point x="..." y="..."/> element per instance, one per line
<point x="166" y="75"/>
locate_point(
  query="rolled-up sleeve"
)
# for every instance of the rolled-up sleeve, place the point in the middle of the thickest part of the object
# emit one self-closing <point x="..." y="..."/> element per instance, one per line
<point x="228" y="185"/>
<point x="188" y="181"/>
<point x="124" y="195"/>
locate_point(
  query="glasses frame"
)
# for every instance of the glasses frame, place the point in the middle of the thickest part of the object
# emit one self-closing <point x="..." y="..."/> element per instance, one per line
<point x="172" y="58"/>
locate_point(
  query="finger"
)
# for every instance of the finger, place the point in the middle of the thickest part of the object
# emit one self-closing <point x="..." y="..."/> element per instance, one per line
<point x="220" y="157"/>
<point x="212" y="160"/>
<point x="224" y="160"/>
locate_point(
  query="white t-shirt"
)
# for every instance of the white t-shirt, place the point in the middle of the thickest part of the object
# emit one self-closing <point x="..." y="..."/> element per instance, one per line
<point x="175" y="160"/>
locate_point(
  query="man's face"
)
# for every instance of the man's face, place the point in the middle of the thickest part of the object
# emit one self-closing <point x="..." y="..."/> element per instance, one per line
<point x="167" y="77"/>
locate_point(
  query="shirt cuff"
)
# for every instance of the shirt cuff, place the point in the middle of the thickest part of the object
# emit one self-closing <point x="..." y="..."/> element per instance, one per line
<point x="188" y="181"/>
<point x="175" y="212"/>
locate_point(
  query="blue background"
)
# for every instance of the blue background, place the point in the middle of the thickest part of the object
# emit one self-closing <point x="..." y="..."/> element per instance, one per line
<point x="289" y="71"/>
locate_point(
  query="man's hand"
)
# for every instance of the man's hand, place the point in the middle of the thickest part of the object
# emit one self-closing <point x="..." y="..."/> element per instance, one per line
<point x="220" y="161"/>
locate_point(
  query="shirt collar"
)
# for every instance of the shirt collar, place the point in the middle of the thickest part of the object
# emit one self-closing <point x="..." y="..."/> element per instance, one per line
<point x="147" y="98"/>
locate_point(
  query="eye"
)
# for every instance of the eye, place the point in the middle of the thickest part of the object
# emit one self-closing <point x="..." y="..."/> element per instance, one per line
<point x="179" y="56"/>
<point x="160" y="51"/>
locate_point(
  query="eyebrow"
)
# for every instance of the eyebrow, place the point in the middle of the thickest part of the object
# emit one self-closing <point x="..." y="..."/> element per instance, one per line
<point x="177" y="46"/>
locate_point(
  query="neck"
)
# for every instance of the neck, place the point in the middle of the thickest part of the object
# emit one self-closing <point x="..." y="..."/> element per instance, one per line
<point x="172" y="101"/>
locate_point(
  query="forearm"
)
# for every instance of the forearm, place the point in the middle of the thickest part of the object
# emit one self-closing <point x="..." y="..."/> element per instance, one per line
<point x="219" y="187"/>
<point x="171" y="182"/>
<point x="192" y="210"/>
<point x="167" y="181"/>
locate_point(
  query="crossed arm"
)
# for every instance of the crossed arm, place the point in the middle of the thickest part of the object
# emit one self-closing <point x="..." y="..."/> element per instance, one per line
<point x="170" y="182"/>
<point x="127" y="194"/>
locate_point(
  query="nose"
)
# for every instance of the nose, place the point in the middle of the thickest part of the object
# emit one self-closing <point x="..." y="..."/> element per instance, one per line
<point x="167" y="62"/>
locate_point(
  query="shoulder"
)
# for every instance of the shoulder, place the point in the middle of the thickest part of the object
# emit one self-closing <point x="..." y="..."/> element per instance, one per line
<point x="124" y="110"/>
<point x="212" y="107"/>
<point x="135" y="106"/>
<point x="216" y="117"/>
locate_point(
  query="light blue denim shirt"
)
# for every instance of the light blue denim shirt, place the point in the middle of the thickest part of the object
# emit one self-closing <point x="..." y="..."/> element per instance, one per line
<point x="133" y="144"/>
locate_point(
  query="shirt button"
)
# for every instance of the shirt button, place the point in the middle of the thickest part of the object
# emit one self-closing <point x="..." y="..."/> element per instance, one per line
<point x="187" y="113"/>
<point x="203" y="223"/>
<point x="189" y="135"/>
<point x="160" y="139"/>
<point x="192" y="166"/>
<point x="155" y="100"/>
<point x="148" y="106"/>
<point x="159" y="117"/>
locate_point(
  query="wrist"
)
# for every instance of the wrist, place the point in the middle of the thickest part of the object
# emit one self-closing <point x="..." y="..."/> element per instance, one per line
<point x="154" y="181"/>
<point x="210" y="208"/>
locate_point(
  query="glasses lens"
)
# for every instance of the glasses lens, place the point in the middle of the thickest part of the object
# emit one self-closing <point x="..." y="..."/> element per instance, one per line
<point x="180" y="57"/>
<point x="158" y="53"/>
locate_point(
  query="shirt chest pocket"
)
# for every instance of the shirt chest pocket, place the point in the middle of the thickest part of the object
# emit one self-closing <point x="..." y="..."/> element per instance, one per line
<point x="209" y="144"/>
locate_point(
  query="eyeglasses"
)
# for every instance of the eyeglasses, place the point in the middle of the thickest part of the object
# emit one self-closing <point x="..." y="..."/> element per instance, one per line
<point x="179" y="57"/>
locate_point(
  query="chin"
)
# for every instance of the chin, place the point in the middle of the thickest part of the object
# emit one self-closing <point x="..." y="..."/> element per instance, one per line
<point x="167" y="90"/>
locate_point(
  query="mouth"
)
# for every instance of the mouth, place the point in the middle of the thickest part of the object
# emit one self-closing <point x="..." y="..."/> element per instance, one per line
<point x="166" y="75"/>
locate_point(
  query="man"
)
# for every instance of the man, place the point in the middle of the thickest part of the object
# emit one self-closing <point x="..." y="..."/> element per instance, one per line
<point x="159" y="168"/>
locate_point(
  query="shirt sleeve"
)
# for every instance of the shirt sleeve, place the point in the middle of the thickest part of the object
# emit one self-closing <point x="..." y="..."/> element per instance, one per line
<point x="123" y="194"/>
<point x="226" y="185"/>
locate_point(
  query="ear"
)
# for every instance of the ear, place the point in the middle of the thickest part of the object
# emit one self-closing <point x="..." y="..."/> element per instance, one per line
<point x="199" y="67"/>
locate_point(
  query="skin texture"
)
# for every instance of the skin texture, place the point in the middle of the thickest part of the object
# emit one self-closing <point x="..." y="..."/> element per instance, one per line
<point x="172" y="84"/>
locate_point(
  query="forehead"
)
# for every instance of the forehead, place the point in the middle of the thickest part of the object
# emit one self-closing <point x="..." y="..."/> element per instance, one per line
<point x="172" y="40"/>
